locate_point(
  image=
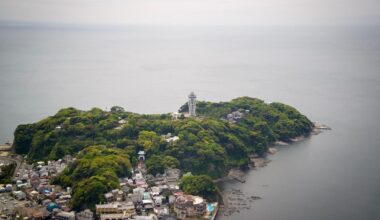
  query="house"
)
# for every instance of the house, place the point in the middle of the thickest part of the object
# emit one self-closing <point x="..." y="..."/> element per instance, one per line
<point x="85" y="215"/>
<point x="172" y="176"/>
<point x="235" y="116"/>
<point x="65" y="216"/>
<point x="135" y="197"/>
<point x="171" y="199"/>
<point x="158" y="200"/>
<point x="117" y="216"/>
<point x="139" y="190"/>
<point x="109" y="197"/>
<point x="147" y="201"/>
<point x="161" y="211"/>
<point x="188" y="206"/>
<point x="33" y="212"/>
<point x="150" y="217"/>
<point x="116" y="207"/>
<point x="172" y="139"/>
<point x="19" y="195"/>
<point x="148" y="204"/>
<point x="156" y="190"/>
<point x="118" y="194"/>
<point x="8" y="188"/>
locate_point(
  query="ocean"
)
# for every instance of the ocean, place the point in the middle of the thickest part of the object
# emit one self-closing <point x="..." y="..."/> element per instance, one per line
<point x="330" y="74"/>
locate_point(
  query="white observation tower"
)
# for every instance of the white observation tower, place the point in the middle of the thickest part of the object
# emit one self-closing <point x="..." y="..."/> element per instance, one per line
<point x="192" y="104"/>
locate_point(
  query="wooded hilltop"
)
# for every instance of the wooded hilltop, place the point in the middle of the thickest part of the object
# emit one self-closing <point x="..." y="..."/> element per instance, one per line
<point x="221" y="137"/>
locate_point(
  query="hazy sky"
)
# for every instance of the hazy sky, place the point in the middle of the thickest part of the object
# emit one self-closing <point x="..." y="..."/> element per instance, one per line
<point x="194" y="12"/>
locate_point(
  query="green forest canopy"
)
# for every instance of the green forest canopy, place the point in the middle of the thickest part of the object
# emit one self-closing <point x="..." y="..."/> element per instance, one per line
<point x="208" y="144"/>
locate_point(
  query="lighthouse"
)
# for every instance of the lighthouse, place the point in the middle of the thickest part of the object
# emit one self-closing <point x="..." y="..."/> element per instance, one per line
<point x="192" y="104"/>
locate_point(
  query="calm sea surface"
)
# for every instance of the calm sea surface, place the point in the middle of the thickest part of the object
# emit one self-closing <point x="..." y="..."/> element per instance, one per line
<point x="330" y="74"/>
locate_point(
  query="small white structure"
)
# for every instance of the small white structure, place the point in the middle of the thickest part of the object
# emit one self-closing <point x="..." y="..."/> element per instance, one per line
<point x="192" y="104"/>
<point x="172" y="139"/>
<point x="141" y="155"/>
<point x="176" y="115"/>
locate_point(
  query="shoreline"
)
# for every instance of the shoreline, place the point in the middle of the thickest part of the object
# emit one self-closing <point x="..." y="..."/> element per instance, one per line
<point x="234" y="200"/>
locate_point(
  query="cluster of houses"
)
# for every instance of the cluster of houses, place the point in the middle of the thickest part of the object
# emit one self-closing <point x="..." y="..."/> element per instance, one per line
<point x="36" y="197"/>
<point x="141" y="197"/>
<point x="148" y="197"/>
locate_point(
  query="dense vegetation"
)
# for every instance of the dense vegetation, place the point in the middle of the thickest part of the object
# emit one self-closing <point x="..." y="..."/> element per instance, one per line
<point x="6" y="173"/>
<point x="207" y="145"/>
<point x="201" y="185"/>
<point x="95" y="171"/>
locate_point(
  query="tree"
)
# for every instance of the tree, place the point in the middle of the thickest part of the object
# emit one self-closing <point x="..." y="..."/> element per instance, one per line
<point x="155" y="165"/>
<point x="23" y="138"/>
<point x="6" y="173"/>
<point x="89" y="192"/>
<point x="201" y="185"/>
<point x="170" y="162"/>
<point x="149" y="140"/>
<point x="117" y="109"/>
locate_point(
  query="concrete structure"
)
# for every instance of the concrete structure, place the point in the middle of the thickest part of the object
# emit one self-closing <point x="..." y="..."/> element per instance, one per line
<point x="187" y="206"/>
<point x="192" y="104"/>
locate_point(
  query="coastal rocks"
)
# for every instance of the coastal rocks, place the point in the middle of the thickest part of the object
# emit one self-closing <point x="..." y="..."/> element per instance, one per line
<point x="237" y="175"/>
<point x="321" y="126"/>
<point x="272" y="150"/>
<point x="235" y="201"/>
<point x="297" y="139"/>
<point x="318" y="128"/>
<point x="259" y="161"/>
<point x="280" y="143"/>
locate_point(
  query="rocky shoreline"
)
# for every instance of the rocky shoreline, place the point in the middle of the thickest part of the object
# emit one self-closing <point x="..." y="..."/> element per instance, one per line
<point x="234" y="200"/>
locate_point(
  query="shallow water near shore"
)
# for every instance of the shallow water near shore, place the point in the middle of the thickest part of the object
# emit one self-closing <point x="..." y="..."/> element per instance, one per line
<point x="329" y="74"/>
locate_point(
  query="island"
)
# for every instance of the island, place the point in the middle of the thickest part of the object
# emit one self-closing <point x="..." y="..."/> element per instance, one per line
<point x="117" y="158"/>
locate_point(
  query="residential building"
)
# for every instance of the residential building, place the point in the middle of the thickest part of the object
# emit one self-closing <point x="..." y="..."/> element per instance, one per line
<point x="189" y="206"/>
<point x="116" y="207"/>
<point x="65" y="216"/>
<point x="85" y="215"/>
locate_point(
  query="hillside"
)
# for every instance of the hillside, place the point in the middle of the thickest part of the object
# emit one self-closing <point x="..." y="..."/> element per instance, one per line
<point x="209" y="144"/>
<point x="106" y="142"/>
